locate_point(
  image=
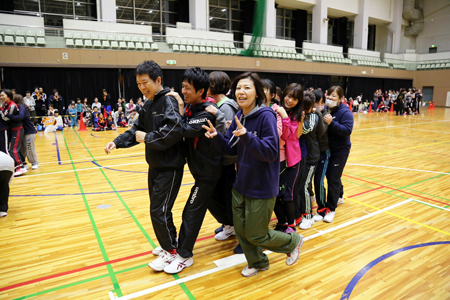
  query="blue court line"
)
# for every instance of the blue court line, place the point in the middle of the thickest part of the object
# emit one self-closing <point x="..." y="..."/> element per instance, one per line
<point x="57" y="149"/>
<point x="117" y="169"/>
<point x="94" y="193"/>
<point x="87" y="161"/>
<point x="349" y="289"/>
<point x="100" y="137"/>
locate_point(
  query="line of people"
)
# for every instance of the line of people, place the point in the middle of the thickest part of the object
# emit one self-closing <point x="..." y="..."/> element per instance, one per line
<point x="248" y="157"/>
<point x="17" y="132"/>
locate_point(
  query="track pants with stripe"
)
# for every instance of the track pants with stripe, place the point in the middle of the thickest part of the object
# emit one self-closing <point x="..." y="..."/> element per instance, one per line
<point x="4" y="141"/>
<point x="334" y="173"/>
<point x="305" y="186"/>
<point x="319" y="178"/>
<point x="163" y="187"/>
<point x="15" y="144"/>
<point x="193" y="214"/>
<point x="297" y="189"/>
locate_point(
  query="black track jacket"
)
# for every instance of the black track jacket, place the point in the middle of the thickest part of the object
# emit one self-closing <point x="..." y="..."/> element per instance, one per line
<point x="162" y="122"/>
<point x="204" y="160"/>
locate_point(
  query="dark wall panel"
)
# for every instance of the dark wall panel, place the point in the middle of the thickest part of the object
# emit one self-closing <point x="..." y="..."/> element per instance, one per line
<point x="71" y="83"/>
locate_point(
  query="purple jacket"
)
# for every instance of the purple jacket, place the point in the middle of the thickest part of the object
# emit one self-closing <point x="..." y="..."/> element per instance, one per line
<point x="258" y="166"/>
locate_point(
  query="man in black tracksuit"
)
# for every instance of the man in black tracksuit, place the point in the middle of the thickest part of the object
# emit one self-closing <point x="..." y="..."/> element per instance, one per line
<point x="204" y="160"/>
<point x="159" y="126"/>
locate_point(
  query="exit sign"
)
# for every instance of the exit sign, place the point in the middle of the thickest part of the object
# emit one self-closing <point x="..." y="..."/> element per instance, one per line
<point x="171" y="62"/>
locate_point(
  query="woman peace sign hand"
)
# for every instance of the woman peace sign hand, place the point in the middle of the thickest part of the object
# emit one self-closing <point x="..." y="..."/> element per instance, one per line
<point x="241" y="130"/>
<point x="210" y="131"/>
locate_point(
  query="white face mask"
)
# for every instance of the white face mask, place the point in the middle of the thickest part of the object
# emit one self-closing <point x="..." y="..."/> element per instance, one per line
<point x="331" y="103"/>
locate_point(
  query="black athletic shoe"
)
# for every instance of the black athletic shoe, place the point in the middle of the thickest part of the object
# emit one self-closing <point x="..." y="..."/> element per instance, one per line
<point x="280" y="227"/>
<point x="238" y="249"/>
<point x="220" y="229"/>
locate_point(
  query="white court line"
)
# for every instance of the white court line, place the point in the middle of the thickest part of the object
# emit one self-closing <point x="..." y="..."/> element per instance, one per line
<point x="386" y="167"/>
<point x="443" y="208"/>
<point x="79" y="170"/>
<point x="237" y="259"/>
<point x="90" y="158"/>
<point x="399" y="125"/>
<point x="430" y="130"/>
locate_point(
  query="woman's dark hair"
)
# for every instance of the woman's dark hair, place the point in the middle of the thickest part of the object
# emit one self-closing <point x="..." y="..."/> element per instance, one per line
<point x="8" y="93"/>
<point x="198" y="78"/>
<point x="308" y="100"/>
<point x="337" y="89"/>
<point x="219" y="83"/>
<point x="318" y="94"/>
<point x="18" y="99"/>
<point x="260" y="95"/>
<point x="279" y="92"/>
<point x="152" y="69"/>
<point x="294" y="90"/>
<point x="269" y="85"/>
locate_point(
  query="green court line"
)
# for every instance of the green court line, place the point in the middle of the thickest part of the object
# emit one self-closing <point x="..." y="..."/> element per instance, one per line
<point x="398" y="187"/>
<point x="182" y="285"/>
<point x="447" y="206"/>
<point x="62" y="287"/>
<point x="145" y="265"/>
<point x="91" y="218"/>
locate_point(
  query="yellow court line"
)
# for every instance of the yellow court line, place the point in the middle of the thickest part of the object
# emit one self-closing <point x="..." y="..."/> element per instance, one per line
<point x="395" y="215"/>
<point x="398" y="150"/>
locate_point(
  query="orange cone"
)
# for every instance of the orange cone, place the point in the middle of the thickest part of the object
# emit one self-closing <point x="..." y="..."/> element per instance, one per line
<point x="432" y="107"/>
<point x="429" y="106"/>
<point x="370" y="108"/>
<point x="105" y="114"/>
<point x="82" y="126"/>
<point x="392" y="107"/>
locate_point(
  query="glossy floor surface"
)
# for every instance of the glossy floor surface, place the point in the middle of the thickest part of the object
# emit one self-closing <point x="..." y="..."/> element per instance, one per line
<point x="389" y="240"/>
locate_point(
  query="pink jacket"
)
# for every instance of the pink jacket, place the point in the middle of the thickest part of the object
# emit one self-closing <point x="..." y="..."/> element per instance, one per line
<point x="280" y="132"/>
<point x="293" y="153"/>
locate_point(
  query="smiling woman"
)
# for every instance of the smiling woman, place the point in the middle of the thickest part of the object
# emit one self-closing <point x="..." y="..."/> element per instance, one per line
<point x="253" y="137"/>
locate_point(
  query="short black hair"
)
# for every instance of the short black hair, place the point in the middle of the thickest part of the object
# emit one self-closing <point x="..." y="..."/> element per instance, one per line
<point x="151" y="68"/>
<point x="270" y="85"/>
<point x="308" y="100"/>
<point x="8" y="93"/>
<point x="27" y="92"/>
<point x="318" y="94"/>
<point x="198" y="78"/>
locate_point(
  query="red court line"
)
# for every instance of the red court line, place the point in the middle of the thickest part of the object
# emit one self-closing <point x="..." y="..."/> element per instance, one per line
<point x="367" y="191"/>
<point x="102" y="264"/>
<point x="394" y="189"/>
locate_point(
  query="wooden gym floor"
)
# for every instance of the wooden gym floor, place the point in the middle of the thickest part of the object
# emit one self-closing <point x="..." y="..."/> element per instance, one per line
<point x="389" y="240"/>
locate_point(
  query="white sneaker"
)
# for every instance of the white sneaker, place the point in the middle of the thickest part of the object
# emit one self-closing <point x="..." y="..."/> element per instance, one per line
<point x="293" y="257"/>
<point x="178" y="264"/>
<point x="26" y="167"/>
<point x="157" y="251"/>
<point x="164" y="259"/>
<point x="318" y="218"/>
<point x="18" y="172"/>
<point x="249" y="272"/>
<point x="329" y="217"/>
<point x="341" y="200"/>
<point x="306" y="223"/>
<point x="225" y="233"/>
<point x="3" y="214"/>
<point x="24" y="170"/>
<point x="35" y="166"/>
